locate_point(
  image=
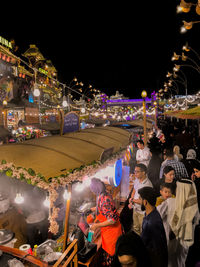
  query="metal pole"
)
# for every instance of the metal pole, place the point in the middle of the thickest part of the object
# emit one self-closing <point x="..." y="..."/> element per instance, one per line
<point x="66" y="226"/>
<point x="145" y="122"/>
<point x="186" y="121"/>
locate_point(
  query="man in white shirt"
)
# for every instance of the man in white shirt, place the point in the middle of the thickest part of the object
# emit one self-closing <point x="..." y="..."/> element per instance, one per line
<point x="135" y="202"/>
<point x="143" y="154"/>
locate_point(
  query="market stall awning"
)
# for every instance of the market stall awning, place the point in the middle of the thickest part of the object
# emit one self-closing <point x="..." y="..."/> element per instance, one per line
<point x="54" y="155"/>
<point x="136" y="123"/>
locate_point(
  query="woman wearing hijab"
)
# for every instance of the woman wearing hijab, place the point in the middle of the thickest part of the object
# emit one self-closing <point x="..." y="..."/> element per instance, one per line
<point x="177" y="154"/>
<point x="190" y="162"/>
<point x="108" y="220"/>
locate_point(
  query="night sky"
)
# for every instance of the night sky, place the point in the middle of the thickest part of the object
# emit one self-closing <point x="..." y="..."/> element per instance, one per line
<point x="124" y="46"/>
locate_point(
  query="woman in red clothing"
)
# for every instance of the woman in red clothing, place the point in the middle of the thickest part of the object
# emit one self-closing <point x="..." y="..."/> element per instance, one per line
<point x="108" y="220"/>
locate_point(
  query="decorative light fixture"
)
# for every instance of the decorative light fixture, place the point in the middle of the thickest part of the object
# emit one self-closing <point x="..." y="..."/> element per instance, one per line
<point x="5" y="102"/>
<point x="183" y="57"/>
<point x="36" y="91"/>
<point x="66" y="195"/>
<point x="82" y="110"/>
<point x="175" y="57"/>
<point x="169" y="75"/>
<point x="19" y="199"/>
<point x="104" y="116"/>
<point x="198" y="7"/>
<point x="185" y="7"/>
<point x="64" y="103"/>
<point x="187" y="25"/>
<point x="186" y="47"/>
<point x="47" y="202"/>
<point x="176" y="68"/>
<point x="144" y="94"/>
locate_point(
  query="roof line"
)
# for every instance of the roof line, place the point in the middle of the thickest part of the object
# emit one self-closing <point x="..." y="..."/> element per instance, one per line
<point x="102" y="135"/>
<point x="111" y="130"/>
<point x="55" y="150"/>
<point x="83" y="140"/>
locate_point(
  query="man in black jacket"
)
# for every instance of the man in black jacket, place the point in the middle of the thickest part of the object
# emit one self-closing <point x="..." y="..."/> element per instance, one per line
<point x="153" y="232"/>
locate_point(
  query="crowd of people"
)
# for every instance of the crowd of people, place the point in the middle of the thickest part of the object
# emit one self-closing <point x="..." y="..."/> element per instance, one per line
<point x="163" y="205"/>
<point x="160" y="219"/>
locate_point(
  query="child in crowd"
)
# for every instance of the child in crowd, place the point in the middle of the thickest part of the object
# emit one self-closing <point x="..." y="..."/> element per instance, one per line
<point x="165" y="193"/>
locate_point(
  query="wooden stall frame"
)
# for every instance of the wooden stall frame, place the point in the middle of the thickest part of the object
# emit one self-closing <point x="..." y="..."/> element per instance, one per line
<point x="66" y="225"/>
<point x="24" y="255"/>
<point x="72" y="258"/>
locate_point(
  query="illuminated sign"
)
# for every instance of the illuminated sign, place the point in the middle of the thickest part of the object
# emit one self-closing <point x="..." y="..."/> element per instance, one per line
<point x="114" y="173"/>
<point x="43" y="71"/>
<point x="70" y="123"/>
<point x="5" y="42"/>
<point x="118" y="173"/>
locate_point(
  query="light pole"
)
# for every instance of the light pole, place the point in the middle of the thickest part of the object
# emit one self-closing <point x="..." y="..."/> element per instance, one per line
<point x="155" y="116"/>
<point x="36" y="93"/>
<point x="144" y="95"/>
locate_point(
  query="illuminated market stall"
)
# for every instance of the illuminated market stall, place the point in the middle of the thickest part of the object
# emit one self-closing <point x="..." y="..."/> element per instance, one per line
<point x="63" y="164"/>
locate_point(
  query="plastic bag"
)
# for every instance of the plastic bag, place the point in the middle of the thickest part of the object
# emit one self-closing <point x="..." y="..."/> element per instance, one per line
<point x="15" y="263"/>
<point x="48" y="250"/>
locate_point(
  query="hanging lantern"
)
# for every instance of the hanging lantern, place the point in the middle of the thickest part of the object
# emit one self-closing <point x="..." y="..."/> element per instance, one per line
<point x="47" y="202"/>
<point x="19" y="199"/>
<point x="65" y="103"/>
<point x="82" y="110"/>
<point x="36" y="92"/>
<point x="66" y="195"/>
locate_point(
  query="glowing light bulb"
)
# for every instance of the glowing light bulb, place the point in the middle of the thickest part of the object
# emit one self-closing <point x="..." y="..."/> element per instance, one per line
<point x="64" y="103"/>
<point x="5" y="102"/>
<point x="67" y="195"/>
<point x="83" y="110"/>
<point x="47" y="202"/>
<point x="79" y="187"/>
<point x="19" y="199"/>
<point x="144" y="94"/>
<point x="36" y="92"/>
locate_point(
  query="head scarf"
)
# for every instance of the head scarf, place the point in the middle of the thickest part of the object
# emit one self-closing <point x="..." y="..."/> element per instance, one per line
<point x="186" y="209"/>
<point x="191" y="154"/>
<point x="97" y="186"/>
<point x="176" y="151"/>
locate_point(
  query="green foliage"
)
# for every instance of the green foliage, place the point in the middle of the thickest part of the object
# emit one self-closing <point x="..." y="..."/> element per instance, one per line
<point x="9" y="172"/>
<point x="22" y="176"/>
<point x="31" y="172"/>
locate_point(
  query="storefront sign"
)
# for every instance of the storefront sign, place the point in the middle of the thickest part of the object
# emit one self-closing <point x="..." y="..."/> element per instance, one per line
<point x="70" y="123"/>
<point x="52" y="118"/>
<point x="43" y="71"/>
<point x="5" y="42"/>
<point x="118" y="172"/>
<point x="114" y="173"/>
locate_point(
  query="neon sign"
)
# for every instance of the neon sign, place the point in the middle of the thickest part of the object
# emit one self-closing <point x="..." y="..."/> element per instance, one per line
<point x="5" y="42"/>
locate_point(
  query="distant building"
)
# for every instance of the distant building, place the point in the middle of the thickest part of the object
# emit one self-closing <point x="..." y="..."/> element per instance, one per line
<point x="118" y="96"/>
